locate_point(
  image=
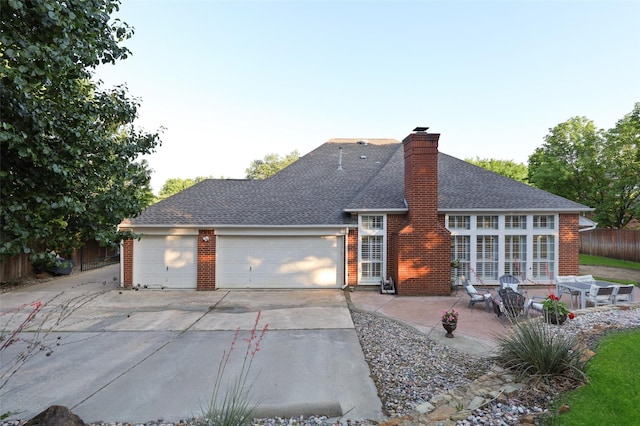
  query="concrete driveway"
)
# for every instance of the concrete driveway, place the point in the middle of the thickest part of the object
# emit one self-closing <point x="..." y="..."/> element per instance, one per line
<point x="122" y="355"/>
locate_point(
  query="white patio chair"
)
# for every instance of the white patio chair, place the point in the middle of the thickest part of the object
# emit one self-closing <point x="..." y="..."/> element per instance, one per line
<point x="534" y="303"/>
<point x="622" y="293"/>
<point x="587" y="279"/>
<point x="600" y="295"/>
<point x="477" y="294"/>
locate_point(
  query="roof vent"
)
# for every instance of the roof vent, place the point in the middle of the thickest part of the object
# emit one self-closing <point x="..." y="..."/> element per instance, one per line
<point x="363" y="157"/>
<point x="363" y="142"/>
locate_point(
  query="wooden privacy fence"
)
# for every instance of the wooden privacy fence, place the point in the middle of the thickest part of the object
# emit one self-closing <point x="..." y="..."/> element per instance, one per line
<point x="90" y="256"/>
<point x="614" y="243"/>
<point x="15" y="267"/>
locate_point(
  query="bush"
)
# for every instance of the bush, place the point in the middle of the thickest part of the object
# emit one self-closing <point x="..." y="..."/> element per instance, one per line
<point x="531" y="348"/>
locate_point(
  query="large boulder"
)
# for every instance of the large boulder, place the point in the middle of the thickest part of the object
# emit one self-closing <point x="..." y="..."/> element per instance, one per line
<point x="56" y="415"/>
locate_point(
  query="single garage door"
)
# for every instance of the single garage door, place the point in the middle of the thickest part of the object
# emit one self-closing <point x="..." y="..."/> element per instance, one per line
<point x="165" y="261"/>
<point x="278" y="261"/>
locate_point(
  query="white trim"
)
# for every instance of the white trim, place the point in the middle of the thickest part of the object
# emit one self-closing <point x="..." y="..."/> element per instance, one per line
<point x="345" y="259"/>
<point x="281" y="231"/>
<point x="225" y="226"/>
<point x="377" y="211"/>
<point x="514" y="212"/>
<point x="164" y="231"/>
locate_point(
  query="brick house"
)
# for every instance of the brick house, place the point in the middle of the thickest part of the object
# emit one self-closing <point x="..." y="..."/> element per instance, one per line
<point x="350" y="213"/>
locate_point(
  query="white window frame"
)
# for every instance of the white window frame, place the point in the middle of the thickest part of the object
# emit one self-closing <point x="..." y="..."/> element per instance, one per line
<point x="527" y="230"/>
<point x="362" y="232"/>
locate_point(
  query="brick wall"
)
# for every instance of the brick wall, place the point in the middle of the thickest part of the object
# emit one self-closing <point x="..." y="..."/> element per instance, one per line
<point x="423" y="243"/>
<point x="569" y="245"/>
<point x="206" y="276"/>
<point x="352" y="257"/>
<point x="394" y="224"/>
<point x="127" y="263"/>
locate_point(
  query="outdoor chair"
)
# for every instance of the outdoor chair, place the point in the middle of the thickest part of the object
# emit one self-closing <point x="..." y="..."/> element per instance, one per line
<point x="600" y="295"/>
<point x="511" y="304"/>
<point x="508" y="280"/>
<point x="476" y="294"/>
<point x="534" y="303"/>
<point x="622" y="293"/>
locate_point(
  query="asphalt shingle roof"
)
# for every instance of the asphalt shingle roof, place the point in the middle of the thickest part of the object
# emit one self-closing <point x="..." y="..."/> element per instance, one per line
<point x="316" y="191"/>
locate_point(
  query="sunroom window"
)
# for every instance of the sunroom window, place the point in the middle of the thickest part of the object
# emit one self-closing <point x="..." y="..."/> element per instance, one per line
<point x="459" y="222"/>
<point x="487" y="222"/>
<point x="487" y="256"/>
<point x="544" y="222"/>
<point x="515" y="255"/>
<point x="515" y="222"/>
<point x="543" y="257"/>
<point x="490" y="245"/>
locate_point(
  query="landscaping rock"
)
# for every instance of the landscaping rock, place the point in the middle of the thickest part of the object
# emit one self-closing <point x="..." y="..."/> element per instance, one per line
<point x="56" y="415"/>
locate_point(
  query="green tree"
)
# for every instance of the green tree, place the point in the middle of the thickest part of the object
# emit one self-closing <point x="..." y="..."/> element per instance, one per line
<point x="71" y="167"/>
<point x="270" y="165"/>
<point x="174" y="185"/>
<point x="508" y="168"/>
<point x="594" y="167"/>
<point x="622" y="195"/>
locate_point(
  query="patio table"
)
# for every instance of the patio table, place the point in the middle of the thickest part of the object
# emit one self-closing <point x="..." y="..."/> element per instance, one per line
<point x="578" y="287"/>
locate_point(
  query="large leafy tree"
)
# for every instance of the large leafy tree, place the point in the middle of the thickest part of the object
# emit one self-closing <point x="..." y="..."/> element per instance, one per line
<point x="270" y="165"/>
<point x="174" y="185"/>
<point x="622" y="196"/>
<point x="594" y="167"/>
<point x="70" y="155"/>
<point x="508" y="168"/>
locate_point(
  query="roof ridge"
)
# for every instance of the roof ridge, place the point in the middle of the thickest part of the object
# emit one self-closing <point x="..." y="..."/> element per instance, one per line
<point x="373" y="141"/>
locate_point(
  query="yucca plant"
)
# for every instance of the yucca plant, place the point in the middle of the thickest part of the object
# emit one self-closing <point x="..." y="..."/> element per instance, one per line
<point x="531" y="348"/>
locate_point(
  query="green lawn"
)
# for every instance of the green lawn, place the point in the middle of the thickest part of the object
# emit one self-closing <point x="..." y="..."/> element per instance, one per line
<point x="586" y="259"/>
<point x="613" y="395"/>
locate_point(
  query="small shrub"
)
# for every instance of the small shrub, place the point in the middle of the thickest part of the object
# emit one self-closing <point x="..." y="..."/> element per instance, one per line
<point x="531" y="348"/>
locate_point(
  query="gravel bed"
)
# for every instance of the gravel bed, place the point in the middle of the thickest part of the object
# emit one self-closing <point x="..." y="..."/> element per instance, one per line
<point x="409" y="369"/>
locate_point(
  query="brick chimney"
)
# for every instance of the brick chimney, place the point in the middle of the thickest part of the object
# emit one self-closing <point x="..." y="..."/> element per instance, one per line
<point x="423" y="242"/>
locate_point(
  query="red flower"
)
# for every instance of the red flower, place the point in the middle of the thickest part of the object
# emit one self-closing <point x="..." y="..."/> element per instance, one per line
<point x="553" y="297"/>
<point x="572" y="315"/>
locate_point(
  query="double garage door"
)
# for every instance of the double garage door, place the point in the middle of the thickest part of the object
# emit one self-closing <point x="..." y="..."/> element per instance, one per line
<point x="242" y="261"/>
<point x="279" y="262"/>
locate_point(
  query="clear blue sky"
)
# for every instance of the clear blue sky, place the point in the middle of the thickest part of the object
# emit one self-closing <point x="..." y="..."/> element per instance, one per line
<point x="234" y="80"/>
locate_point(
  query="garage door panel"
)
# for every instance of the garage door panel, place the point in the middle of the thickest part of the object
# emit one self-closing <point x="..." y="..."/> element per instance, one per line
<point x="278" y="262"/>
<point x="167" y="261"/>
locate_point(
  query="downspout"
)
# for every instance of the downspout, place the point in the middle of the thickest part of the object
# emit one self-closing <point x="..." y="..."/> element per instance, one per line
<point x="346" y="258"/>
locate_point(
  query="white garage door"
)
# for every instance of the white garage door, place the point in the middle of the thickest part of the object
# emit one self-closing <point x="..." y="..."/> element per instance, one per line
<point x="165" y="261"/>
<point x="278" y="262"/>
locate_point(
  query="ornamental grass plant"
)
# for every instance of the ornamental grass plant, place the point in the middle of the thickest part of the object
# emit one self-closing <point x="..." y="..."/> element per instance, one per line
<point x="230" y="403"/>
<point x="532" y="348"/>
